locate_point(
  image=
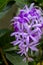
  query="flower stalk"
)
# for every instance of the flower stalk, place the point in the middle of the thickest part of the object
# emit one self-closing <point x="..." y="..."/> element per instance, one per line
<point x="3" y="57"/>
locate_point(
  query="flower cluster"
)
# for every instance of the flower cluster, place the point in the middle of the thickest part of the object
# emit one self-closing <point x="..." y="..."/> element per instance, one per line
<point x="28" y="26"/>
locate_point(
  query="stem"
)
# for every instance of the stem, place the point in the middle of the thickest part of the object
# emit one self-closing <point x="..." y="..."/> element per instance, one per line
<point x="40" y="54"/>
<point x="3" y="57"/>
<point x="40" y="62"/>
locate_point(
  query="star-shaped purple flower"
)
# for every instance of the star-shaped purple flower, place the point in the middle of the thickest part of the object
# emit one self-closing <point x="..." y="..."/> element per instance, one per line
<point x="28" y="26"/>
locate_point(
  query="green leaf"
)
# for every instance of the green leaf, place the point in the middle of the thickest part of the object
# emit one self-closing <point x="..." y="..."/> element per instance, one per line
<point x="0" y="62"/>
<point x="21" y="3"/>
<point x="5" y="38"/>
<point x="15" y="59"/>
<point x="6" y="16"/>
<point x="11" y="49"/>
<point x="3" y="3"/>
<point x="3" y="32"/>
<point x="3" y="13"/>
<point x="32" y="63"/>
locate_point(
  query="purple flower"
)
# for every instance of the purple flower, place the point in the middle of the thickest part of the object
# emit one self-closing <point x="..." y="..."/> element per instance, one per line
<point x="28" y="26"/>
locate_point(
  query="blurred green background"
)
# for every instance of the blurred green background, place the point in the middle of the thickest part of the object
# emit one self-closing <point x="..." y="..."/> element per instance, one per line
<point x="8" y="55"/>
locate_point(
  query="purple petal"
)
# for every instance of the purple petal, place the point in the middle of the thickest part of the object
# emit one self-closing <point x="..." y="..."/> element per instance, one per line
<point x="15" y="42"/>
<point x="33" y="48"/>
<point x="30" y="59"/>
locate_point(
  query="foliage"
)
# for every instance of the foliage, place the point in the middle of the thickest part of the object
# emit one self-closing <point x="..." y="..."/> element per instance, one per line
<point x="3" y="3"/>
<point x="9" y="51"/>
<point x="15" y="59"/>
